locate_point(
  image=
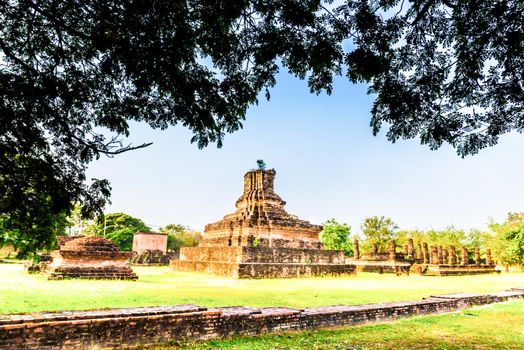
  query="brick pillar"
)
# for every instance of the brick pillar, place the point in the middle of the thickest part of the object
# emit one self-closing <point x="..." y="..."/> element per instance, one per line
<point x="440" y="257"/>
<point x="405" y="250"/>
<point x="411" y="249"/>
<point x="444" y="256"/>
<point x="489" y="259"/>
<point x="426" y="254"/>
<point x="434" y="255"/>
<point x="452" y="255"/>
<point x="392" y="250"/>
<point x="375" y="249"/>
<point x="464" y="256"/>
<point x="477" y="256"/>
<point x="419" y="253"/>
<point x="356" y="250"/>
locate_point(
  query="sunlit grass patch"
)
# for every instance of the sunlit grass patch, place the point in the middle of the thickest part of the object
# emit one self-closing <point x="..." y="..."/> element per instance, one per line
<point x="21" y="292"/>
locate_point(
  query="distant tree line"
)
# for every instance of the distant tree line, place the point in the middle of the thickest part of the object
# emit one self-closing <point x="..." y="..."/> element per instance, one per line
<point x="505" y="239"/>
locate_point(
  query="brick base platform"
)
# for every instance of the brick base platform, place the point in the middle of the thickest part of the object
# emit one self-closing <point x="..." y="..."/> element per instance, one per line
<point x="396" y="267"/>
<point x="154" y="325"/>
<point x="447" y="270"/>
<point x="263" y="270"/>
<point x="90" y="258"/>
<point x="254" y="262"/>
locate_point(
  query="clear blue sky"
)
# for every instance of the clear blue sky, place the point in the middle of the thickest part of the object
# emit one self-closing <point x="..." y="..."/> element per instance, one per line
<point x="328" y="164"/>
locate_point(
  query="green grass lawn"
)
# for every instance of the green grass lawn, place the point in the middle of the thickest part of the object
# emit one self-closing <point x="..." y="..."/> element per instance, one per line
<point x="21" y="292"/>
<point x="499" y="326"/>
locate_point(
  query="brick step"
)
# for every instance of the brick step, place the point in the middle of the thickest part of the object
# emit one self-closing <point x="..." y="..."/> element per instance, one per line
<point x="115" y="276"/>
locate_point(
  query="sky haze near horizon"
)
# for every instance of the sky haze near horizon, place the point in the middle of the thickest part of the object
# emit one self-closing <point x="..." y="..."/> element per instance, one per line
<point x="328" y="165"/>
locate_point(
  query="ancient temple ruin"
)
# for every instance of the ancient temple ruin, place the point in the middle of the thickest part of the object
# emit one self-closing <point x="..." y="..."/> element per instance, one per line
<point x="150" y="248"/>
<point x="444" y="262"/>
<point x="149" y="241"/>
<point x="91" y="258"/>
<point x="261" y="240"/>
<point x="374" y="261"/>
<point x="424" y="259"/>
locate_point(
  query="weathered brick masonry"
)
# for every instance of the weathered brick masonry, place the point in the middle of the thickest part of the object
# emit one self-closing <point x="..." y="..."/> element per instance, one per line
<point x="90" y="257"/>
<point x="139" y="326"/>
<point x="261" y="240"/>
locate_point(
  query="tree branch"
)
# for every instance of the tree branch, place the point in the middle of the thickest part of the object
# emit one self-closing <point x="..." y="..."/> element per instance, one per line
<point x="422" y="11"/>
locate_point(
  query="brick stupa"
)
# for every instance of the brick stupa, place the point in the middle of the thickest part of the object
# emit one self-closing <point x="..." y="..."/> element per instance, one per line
<point x="261" y="240"/>
<point x="91" y="258"/>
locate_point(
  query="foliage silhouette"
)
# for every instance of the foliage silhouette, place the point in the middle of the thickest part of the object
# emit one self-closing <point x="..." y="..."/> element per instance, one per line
<point x="74" y="74"/>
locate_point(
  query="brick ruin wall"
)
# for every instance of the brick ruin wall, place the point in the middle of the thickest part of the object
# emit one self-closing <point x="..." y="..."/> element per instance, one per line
<point x="426" y="260"/>
<point x="153" y="325"/>
<point x="91" y="258"/>
<point x="149" y="241"/>
<point x="262" y="262"/>
<point x="153" y="257"/>
<point x="262" y="255"/>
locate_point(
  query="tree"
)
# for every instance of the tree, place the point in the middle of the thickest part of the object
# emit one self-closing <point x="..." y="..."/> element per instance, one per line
<point x="378" y="230"/>
<point x="507" y="242"/>
<point x="119" y="228"/>
<point x="73" y="74"/>
<point x="336" y="236"/>
<point x="180" y="236"/>
<point x="26" y="241"/>
<point x="261" y="165"/>
<point x="76" y="222"/>
<point x="446" y="237"/>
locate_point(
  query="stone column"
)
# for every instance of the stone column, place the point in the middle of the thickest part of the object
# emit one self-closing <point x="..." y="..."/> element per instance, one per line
<point x="426" y="254"/>
<point x="434" y="255"/>
<point x="452" y="256"/>
<point x="419" y="253"/>
<point x="356" y="250"/>
<point x="411" y="249"/>
<point x="477" y="256"/>
<point x="464" y="256"/>
<point x="444" y="256"/>
<point x="439" y="255"/>
<point x="392" y="250"/>
<point x="489" y="259"/>
<point x="375" y="249"/>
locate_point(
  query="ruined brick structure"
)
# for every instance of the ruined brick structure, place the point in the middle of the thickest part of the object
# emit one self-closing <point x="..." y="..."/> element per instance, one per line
<point x="92" y="258"/>
<point x="31" y="266"/>
<point x="432" y="260"/>
<point x="135" y="327"/>
<point x="37" y="267"/>
<point x="390" y="262"/>
<point x="149" y="241"/>
<point x="61" y="240"/>
<point x="261" y="217"/>
<point x="150" y="248"/>
<point x="261" y="240"/>
<point x="153" y="257"/>
<point x="447" y="263"/>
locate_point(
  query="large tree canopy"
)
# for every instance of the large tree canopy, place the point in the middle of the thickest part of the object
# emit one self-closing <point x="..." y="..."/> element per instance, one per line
<point x="74" y="73"/>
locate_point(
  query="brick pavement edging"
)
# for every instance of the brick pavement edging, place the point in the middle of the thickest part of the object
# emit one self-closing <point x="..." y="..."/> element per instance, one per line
<point x="114" y="328"/>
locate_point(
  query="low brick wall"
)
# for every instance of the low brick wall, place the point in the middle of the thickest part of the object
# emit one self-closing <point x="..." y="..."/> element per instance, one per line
<point x="262" y="255"/>
<point x="141" y="326"/>
<point x="263" y="270"/>
<point x="447" y="270"/>
<point x="262" y="262"/>
<point x="396" y="267"/>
